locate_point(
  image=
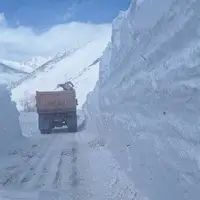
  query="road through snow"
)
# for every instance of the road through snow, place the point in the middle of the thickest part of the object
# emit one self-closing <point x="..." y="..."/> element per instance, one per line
<point x="63" y="166"/>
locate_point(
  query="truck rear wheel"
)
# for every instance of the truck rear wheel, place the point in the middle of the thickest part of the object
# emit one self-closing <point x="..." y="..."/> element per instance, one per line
<point x="45" y="124"/>
<point x="72" y="123"/>
<point x="45" y="131"/>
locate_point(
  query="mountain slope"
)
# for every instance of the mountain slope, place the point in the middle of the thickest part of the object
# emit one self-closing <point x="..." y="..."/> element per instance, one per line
<point x="36" y="61"/>
<point x="44" y="67"/>
<point x="13" y="67"/>
<point x="12" y="72"/>
<point x="16" y="66"/>
<point x="67" y="68"/>
<point x="146" y="103"/>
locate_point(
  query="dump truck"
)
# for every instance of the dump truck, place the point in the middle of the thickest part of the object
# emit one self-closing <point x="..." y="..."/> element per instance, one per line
<point x="56" y="109"/>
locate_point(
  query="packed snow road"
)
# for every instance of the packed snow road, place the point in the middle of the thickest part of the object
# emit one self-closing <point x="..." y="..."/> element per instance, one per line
<point x="62" y="166"/>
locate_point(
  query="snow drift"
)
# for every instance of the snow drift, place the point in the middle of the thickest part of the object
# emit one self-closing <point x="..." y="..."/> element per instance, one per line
<point x="146" y="103"/>
<point x="9" y="119"/>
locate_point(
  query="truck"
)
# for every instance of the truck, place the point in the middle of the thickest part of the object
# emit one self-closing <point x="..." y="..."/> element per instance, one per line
<point x="56" y="109"/>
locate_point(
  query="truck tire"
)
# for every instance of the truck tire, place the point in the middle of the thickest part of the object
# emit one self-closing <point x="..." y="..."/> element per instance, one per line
<point x="72" y="123"/>
<point x="45" y="125"/>
<point x="45" y="131"/>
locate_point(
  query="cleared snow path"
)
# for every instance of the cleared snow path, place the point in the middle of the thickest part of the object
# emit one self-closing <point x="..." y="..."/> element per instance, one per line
<point x="63" y="166"/>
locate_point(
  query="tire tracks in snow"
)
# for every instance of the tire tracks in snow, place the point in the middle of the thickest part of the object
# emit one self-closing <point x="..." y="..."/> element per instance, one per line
<point x="76" y="167"/>
<point x="54" y="167"/>
<point x="51" y="172"/>
<point x="58" y="175"/>
<point x="29" y="175"/>
<point x="74" y="174"/>
<point x="57" y="170"/>
<point x="41" y="166"/>
<point x="15" y="174"/>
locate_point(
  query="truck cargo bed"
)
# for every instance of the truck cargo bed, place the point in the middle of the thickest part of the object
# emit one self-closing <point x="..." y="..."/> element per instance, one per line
<point x="55" y="101"/>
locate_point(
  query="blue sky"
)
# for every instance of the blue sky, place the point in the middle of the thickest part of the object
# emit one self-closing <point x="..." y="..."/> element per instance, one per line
<point x="43" y="14"/>
<point x="31" y="28"/>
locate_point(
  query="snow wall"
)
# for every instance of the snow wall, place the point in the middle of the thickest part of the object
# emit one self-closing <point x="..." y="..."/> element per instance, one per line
<point x="9" y="119"/>
<point x="146" y="104"/>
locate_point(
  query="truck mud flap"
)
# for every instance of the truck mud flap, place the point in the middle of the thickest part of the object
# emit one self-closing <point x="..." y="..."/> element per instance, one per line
<point x="72" y="123"/>
<point x="45" y="124"/>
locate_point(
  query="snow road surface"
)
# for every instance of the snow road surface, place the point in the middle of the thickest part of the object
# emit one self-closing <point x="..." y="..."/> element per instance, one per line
<point x="62" y="166"/>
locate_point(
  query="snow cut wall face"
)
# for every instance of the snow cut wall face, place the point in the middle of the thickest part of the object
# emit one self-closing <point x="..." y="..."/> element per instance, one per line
<point x="9" y="119"/>
<point x="147" y="102"/>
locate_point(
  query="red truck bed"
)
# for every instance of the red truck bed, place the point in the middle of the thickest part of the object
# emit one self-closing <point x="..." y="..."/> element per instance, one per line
<point x="55" y="101"/>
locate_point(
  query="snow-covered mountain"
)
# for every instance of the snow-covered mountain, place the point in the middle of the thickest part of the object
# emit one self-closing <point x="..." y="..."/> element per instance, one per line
<point x="36" y="62"/>
<point x="10" y="73"/>
<point x="80" y="65"/>
<point x="13" y="71"/>
<point x="17" y="66"/>
<point x="146" y="103"/>
<point x="25" y="66"/>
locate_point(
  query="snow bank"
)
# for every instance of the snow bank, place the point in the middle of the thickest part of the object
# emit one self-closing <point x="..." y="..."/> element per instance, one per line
<point x="146" y="103"/>
<point x="9" y="119"/>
